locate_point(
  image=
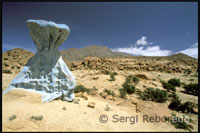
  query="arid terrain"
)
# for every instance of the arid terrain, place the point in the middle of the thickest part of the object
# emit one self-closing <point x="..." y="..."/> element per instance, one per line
<point x="24" y="111"/>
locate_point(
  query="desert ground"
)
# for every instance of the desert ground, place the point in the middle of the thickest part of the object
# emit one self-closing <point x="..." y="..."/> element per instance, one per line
<point x="60" y="115"/>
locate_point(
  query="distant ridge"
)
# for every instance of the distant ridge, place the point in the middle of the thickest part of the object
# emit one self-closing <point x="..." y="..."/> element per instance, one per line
<point x="90" y="51"/>
<point x="180" y="55"/>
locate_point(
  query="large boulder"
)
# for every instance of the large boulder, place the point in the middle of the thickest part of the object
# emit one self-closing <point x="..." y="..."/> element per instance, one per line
<point x="46" y="72"/>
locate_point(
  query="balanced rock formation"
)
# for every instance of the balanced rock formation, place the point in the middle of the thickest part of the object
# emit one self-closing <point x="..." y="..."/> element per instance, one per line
<point x="46" y="72"/>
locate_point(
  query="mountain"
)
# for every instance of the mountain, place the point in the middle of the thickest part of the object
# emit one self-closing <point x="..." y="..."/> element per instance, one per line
<point x="90" y="51"/>
<point x="13" y="60"/>
<point x="181" y="56"/>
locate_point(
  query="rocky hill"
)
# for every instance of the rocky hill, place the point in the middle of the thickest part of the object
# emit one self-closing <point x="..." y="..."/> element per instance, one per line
<point x="102" y="58"/>
<point x="90" y="51"/>
<point x="13" y="60"/>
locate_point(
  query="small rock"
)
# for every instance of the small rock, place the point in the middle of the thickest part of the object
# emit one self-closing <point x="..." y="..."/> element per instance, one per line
<point x="107" y="108"/>
<point x="91" y="104"/>
<point x="195" y="110"/>
<point x="114" y="99"/>
<point x="109" y="97"/>
<point x="12" y="117"/>
<point x="64" y="108"/>
<point x="76" y="101"/>
<point x="85" y="95"/>
<point x="134" y="103"/>
<point x="104" y="94"/>
<point x="79" y="94"/>
<point x="190" y="126"/>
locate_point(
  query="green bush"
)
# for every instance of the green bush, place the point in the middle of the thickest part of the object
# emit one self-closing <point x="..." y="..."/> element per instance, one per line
<point x="6" y="71"/>
<point x="179" y="123"/>
<point x="192" y="88"/>
<point x="168" y="86"/>
<point x="187" y="107"/>
<point x="81" y="88"/>
<point x="151" y="94"/>
<point x="109" y="92"/>
<point x="112" y="75"/>
<point x="175" y="103"/>
<point x="132" y="79"/>
<point x="115" y="73"/>
<point x="187" y="71"/>
<point x="130" y="89"/>
<point x="106" y="72"/>
<point x="175" y="82"/>
<point x="195" y="75"/>
<point x="178" y="106"/>
<point x="122" y="92"/>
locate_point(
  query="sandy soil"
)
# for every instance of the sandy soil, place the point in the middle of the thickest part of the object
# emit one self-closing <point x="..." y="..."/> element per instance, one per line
<point x="79" y="117"/>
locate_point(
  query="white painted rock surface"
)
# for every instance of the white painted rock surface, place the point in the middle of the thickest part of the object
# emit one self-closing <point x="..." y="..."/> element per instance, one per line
<point x="46" y="72"/>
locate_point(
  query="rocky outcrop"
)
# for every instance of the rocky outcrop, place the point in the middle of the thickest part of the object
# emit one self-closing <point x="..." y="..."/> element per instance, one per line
<point x="46" y="72"/>
<point x="152" y="64"/>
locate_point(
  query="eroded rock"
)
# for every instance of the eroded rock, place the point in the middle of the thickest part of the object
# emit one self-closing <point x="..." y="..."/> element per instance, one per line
<point x="46" y="72"/>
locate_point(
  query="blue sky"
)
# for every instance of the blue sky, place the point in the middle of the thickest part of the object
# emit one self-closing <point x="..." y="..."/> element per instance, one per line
<point x="139" y="28"/>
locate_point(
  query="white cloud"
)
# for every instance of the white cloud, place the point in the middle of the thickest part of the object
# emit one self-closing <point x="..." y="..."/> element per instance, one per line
<point x="149" y="51"/>
<point x="192" y="51"/>
<point x="143" y="41"/>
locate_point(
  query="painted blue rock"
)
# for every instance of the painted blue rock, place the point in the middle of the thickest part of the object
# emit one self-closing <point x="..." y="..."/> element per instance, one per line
<point x="46" y="72"/>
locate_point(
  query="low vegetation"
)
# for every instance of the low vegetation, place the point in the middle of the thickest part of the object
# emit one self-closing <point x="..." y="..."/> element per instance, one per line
<point x="112" y="76"/>
<point x="187" y="71"/>
<point x="109" y="92"/>
<point x="151" y="94"/>
<point x="5" y="58"/>
<point x="176" y="105"/>
<point x="192" y="88"/>
<point x="6" y="71"/>
<point x="81" y="88"/>
<point x="132" y="79"/>
<point x="130" y="89"/>
<point x="180" y="123"/>
<point x="175" y="82"/>
<point x="36" y="118"/>
<point x="128" y="85"/>
<point x="168" y="87"/>
<point x="123" y="93"/>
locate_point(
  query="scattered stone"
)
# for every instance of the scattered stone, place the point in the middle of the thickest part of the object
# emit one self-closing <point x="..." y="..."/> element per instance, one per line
<point x="91" y="104"/>
<point x="144" y="76"/>
<point x="64" y="108"/>
<point x="195" y="110"/>
<point x="104" y="94"/>
<point x="190" y="126"/>
<point x="85" y="95"/>
<point x="107" y="108"/>
<point x="76" y="101"/>
<point x="36" y="118"/>
<point x="114" y="99"/>
<point x="95" y="78"/>
<point x="12" y="117"/>
<point x="109" y="97"/>
<point x="79" y="94"/>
